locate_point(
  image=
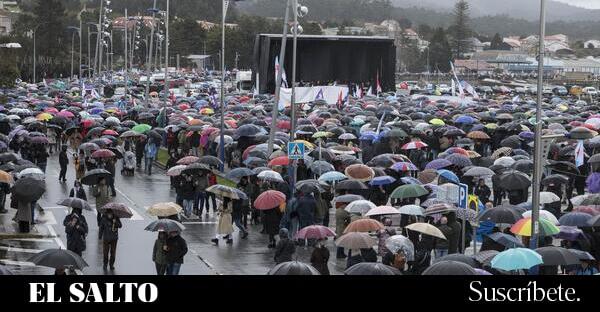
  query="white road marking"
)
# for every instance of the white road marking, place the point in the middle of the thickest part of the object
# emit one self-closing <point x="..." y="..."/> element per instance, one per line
<point x="16" y="249"/>
<point x="37" y="240"/>
<point x="19" y="263"/>
<point x="198" y="222"/>
<point x="136" y="216"/>
<point x="56" y="207"/>
<point x="56" y="239"/>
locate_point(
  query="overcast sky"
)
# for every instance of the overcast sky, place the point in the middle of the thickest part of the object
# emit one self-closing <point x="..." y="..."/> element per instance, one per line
<point x="590" y="4"/>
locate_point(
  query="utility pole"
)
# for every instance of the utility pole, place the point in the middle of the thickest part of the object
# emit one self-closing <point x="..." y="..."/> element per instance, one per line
<point x="237" y="57"/>
<point x="126" y="69"/>
<point x="167" y="56"/>
<point x="225" y="4"/>
<point x="72" y="53"/>
<point x="149" y="65"/>
<point x="98" y="38"/>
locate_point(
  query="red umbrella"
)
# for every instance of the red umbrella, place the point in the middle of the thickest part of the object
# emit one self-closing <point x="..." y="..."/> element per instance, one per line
<point x="103" y="153"/>
<point x="279" y="161"/>
<point x="188" y="160"/>
<point x="51" y="110"/>
<point x="284" y="124"/>
<point x="269" y="200"/>
<point x="183" y="106"/>
<point x="110" y="132"/>
<point x="87" y="123"/>
<point x="315" y="232"/>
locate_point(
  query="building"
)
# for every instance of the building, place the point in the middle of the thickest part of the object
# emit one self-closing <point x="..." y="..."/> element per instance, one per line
<point x="473" y="66"/>
<point x="206" y="25"/>
<point x="586" y="65"/>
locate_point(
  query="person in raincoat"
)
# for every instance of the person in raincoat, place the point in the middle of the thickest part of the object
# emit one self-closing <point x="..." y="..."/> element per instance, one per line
<point x="24" y="215"/>
<point x="176" y="250"/>
<point x="79" y="163"/>
<point x="150" y="151"/>
<point x="159" y="253"/>
<point x="272" y="219"/>
<point x="482" y="191"/>
<point x="285" y="248"/>
<point x="109" y="233"/>
<point x="306" y="207"/>
<point x="320" y="257"/>
<point x="63" y="161"/>
<point x="342" y="219"/>
<point x="225" y="224"/>
<point x="102" y="194"/>
<point x="77" y="229"/>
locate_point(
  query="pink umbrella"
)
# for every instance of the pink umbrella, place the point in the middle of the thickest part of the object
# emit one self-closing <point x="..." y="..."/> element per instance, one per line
<point x="66" y="114"/>
<point x="187" y="160"/>
<point x="315" y="232"/>
<point x="269" y="200"/>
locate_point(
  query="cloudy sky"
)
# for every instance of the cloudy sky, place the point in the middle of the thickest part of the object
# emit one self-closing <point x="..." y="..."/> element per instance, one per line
<point x="591" y="4"/>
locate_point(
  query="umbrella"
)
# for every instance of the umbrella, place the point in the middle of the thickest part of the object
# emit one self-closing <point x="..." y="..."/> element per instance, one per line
<point x="397" y="243"/>
<point x="426" y="228"/>
<point x="555" y="179"/>
<point x="501" y="214"/>
<point x="89" y="146"/>
<point x="355" y="240"/>
<point x="164" y="209"/>
<point x="523" y="227"/>
<point x="409" y="191"/>
<point x="195" y="168"/>
<point x="485" y="256"/>
<point x="404" y="166"/>
<point x="371" y="268"/>
<point x="58" y="258"/>
<point x="141" y="128"/>
<point x="28" y="189"/>
<point x="118" y="209"/>
<point x="7" y="157"/>
<point x="270" y="175"/>
<point x="448" y="175"/>
<point x="74" y="202"/>
<point x="439" y="208"/>
<point x="309" y="186"/>
<point x="359" y="172"/>
<point x="479" y="172"/>
<point x="269" y="199"/>
<point x="360" y="206"/>
<point x="412" y="210"/>
<point x="514" y="180"/>
<point x="516" y="259"/>
<point x="478" y="135"/>
<point x="449" y="267"/>
<point x="543" y="214"/>
<point x="93" y="177"/>
<point x="505" y="240"/>
<point x="594" y="221"/>
<point x="351" y="185"/>
<point x="35" y="173"/>
<point x="5" y="177"/>
<point x="315" y="232"/>
<point x="459" y="160"/>
<point x="381" y="210"/>
<point x="579" y="219"/>
<point x="427" y="175"/>
<point x="5" y="271"/>
<point x="364" y="225"/>
<point x="165" y="225"/>
<point x="459" y="258"/>
<point x="321" y="166"/>
<point x="211" y="161"/>
<point x="238" y="173"/>
<point x="348" y="198"/>
<point x="224" y="191"/>
<point x="293" y="268"/>
<point x="503" y="151"/>
<point x="176" y="170"/>
<point x="103" y="153"/>
<point x="582" y="255"/>
<point x="414" y="145"/>
<point x="548" y="197"/>
<point x="570" y="233"/>
<point x="187" y="160"/>
<point x="332" y="176"/>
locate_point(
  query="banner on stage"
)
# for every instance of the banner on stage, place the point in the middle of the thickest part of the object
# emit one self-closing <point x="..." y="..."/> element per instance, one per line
<point x="329" y="94"/>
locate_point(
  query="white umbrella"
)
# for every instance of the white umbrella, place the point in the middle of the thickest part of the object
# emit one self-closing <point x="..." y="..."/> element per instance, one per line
<point x="382" y="210"/>
<point x="577" y="200"/>
<point x="426" y="228"/>
<point x="360" y="206"/>
<point x="543" y="214"/>
<point x="270" y="175"/>
<point x="548" y="197"/>
<point x="479" y="172"/>
<point x="504" y="161"/>
<point x="32" y="172"/>
<point x="412" y="210"/>
<point x="176" y="170"/>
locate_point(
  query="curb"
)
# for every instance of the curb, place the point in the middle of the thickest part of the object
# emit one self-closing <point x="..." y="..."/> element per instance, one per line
<point x="23" y="235"/>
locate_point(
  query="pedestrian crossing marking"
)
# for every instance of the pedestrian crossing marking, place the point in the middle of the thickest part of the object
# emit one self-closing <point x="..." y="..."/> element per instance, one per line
<point x="295" y="150"/>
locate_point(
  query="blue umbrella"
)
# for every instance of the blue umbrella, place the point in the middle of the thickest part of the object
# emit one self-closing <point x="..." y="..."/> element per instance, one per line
<point x="368" y="136"/>
<point x="516" y="259"/>
<point x="578" y="219"/>
<point x="438" y="164"/>
<point x="506" y="240"/>
<point x="410" y="180"/>
<point x="448" y="175"/>
<point x="332" y="176"/>
<point x="383" y="180"/>
<point x="465" y="119"/>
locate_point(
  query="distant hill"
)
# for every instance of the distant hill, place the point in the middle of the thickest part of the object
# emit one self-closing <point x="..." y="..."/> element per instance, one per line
<point x="520" y="9"/>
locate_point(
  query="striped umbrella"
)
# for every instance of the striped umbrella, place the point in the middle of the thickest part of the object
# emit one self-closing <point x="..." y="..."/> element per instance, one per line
<point x="523" y="227"/>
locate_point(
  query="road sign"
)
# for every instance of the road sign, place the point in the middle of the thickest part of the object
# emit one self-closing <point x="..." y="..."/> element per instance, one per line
<point x="463" y="195"/>
<point x="295" y="150"/>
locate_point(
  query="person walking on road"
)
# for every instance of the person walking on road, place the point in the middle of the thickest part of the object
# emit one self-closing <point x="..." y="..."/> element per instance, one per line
<point x="176" y="250"/>
<point x="109" y="233"/>
<point x="102" y="194"/>
<point x="285" y="248"/>
<point x="77" y="229"/>
<point x="63" y="161"/>
<point x="150" y="151"/>
<point x="78" y="191"/>
<point x="225" y="224"/>
<point x="79" y="162"/>
<point x="320" y="257"/>
<point x="159" y="253"/>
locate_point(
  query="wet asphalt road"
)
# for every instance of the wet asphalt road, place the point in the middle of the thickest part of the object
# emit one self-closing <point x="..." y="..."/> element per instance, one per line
<point x="134" y="250"/>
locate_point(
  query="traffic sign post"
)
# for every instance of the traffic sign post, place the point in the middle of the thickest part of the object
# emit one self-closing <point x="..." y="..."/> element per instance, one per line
<point x="463" y="195"/>
<point x="295" y="150"/>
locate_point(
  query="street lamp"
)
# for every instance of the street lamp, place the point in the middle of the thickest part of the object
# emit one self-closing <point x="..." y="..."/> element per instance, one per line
<point x="34" y="30"/>
<point x="167" y="54"/>
<point x="78" y="30"/>
<point x="154" y="10"/>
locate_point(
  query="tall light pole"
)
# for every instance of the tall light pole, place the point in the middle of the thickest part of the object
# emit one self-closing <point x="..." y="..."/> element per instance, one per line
<point x="72" y="53"/>
<point x="125" y="64"/>
<point x="35" y="52"/>
<point x="167" y="54"/>
<point x="149" y="65"/>
<point x="538" y="159"/>
<point x="99" y="37"/>
<point x="225" y="4"/>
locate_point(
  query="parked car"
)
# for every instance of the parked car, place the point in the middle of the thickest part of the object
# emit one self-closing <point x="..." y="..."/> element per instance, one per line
<point x="590" y="91"/>
<point x="560" y="90"/>
<point x="547" y="91"/>
<point x="445" y="89"/>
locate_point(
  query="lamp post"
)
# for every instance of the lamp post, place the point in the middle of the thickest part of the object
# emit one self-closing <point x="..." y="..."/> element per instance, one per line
<point x="97" y="57"/>
<point x="149" y="64"/>
<point x="225" y="4"/>
<point x="167" y="54"/>
<point x="78" y="30"/>
<point x="538" y="159"/>
<point x="35" y="51"/>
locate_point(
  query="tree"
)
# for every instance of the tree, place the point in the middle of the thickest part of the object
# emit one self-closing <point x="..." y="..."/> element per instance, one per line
<point x="425" y="31"/>
<point x="186" y="37"/>
<point x="8" y="70"/>
<point x="496" y="42"/>
<point x="460" y="29"/>
<point x="404" y="23"/>
<point x="440" y="54"/>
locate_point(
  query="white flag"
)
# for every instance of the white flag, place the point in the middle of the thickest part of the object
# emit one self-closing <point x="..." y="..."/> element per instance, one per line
<point x="283" y="76"/>
<point x="370" y="91"/>
<point x="579" y="153"/>
<point x="453" y="88"/>
<point x="461" y="92"/>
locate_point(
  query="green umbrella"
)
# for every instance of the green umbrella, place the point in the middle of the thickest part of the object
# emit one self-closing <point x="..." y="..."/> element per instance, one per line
<point x="141" y="128"/>
<point x="409" y="191"/>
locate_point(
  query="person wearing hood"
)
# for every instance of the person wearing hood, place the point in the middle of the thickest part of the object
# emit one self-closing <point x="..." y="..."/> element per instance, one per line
<point x="159" y="253"/>
<point x="455" y="233"/>
<point x="285" y="248"/>
<point x="77" y="229"/>
<point x="225" y="224"/>
<point x="306" y="210"/>
<point x="63" y="161"/>
<point x="441" y="245"/>
<point x="176" y="250"/>
<point x="482" y="191"/>
<point x="320" y="257"/>
<point x="109" y="233"/>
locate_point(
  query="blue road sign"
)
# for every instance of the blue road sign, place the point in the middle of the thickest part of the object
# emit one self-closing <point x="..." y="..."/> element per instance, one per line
<point x="295" y="150"/>
<point x="463" y="195"/>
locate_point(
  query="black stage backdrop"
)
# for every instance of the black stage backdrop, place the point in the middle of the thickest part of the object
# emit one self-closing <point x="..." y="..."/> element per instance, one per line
<point x="352" y="59"/>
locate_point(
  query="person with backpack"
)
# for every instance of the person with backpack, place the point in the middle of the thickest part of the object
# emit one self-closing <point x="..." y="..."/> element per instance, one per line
<point x="285" y="248"/>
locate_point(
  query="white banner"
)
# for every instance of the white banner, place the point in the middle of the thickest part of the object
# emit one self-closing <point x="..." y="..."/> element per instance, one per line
<point x="308" y="94"/>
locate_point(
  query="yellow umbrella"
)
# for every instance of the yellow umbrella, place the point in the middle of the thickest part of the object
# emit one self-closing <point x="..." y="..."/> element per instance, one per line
<point x="43" y="117"/>
<point x="5" y="177"/>
<point x="306" y="144"/>
<point x="207" y="111"/>
<point x="322" y="134"/>
<point x="491" y="126"/>
<point x="437" y="122"/>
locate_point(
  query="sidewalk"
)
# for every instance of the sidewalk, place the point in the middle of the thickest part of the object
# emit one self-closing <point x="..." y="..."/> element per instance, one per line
<point x="9" y="229"/>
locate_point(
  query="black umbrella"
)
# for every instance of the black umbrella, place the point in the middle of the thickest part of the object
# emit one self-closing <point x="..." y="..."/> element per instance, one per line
<point x="555" y="179"/>
<point x="248" y="130"/>
<point x="505" y="240"/>
<point x="485" y="257"/>
<point x="117" y="151"/>
<point x="5" y="271"/>
<point x="195" y="168"/>
<point x="325" y="154"/>
<point x="523" y="165"/>
<point x="293" y="268"/>
<point x="553" y="255"/>
<point x="320" y="167"/>
<point x="449" y="267"/>
<point x="8" y="157"/>
<point x="211" y="161"/>
<point x="8" y="167"/>
<point x="514" y="180"/>
<point x="351" y="185"/>
<point x="582" y="255"/>
<point x="58" y="258"/>
<point x="166" y="225"/>
<point x="29" y="189"/>
<point x="93" y="177"/>
<point x="309" y="186"/>
<point x="371" y="268"/>
<point x="238" y="173"/>
<point x="512" y="141"/>
<point x="594" y="221"/>
<point x="501" y="214"/>
<point x="459" y="258"/>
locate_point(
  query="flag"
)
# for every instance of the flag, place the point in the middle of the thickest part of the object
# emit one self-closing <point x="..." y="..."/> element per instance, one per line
<point x="370" y="91"/>
<point x="283" y="76"/>
<point x="340" y="100"/>
<point x="579" y="153"/>
<point x="45" y="84"/>
<point x="515" y="99"/>
<point x="469" y="88"/>
<point x="379" y="90"/>
<point x="359" y="92"/>
<point x="381" y="122"/>
<point x="461" y="92"/>
<point x="320" y="95"/>
<point x="453" y="88"/>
